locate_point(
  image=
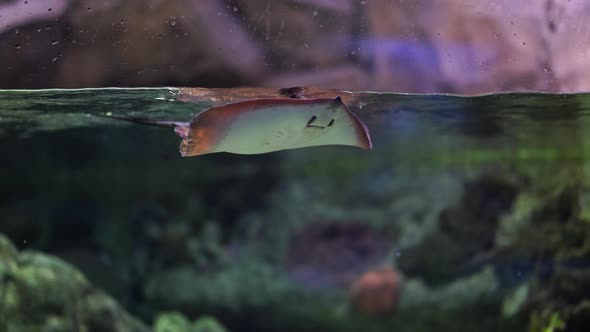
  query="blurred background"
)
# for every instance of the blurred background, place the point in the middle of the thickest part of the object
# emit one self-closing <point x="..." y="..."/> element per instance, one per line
<point x="470" y="214"/>
<point x="454" y="46"/>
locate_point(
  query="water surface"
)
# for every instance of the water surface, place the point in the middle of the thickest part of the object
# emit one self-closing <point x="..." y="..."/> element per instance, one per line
<point x="513" y="126"/>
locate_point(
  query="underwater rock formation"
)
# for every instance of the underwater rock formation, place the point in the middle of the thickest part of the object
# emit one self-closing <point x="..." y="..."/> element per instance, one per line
<point x="527" y="229"/>
<point x="550" y="253"/>
<point x="466" y="230"/>
<point x="334" y="254"/>
<point x="39" y="292"/>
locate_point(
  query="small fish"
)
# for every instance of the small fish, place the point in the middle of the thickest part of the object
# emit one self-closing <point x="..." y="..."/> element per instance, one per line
<point x="266" y="125"/>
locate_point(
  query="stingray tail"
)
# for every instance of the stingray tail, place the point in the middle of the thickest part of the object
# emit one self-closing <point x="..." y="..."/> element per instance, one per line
<point x="149" y="122"/>
<point x="180" y="128"/>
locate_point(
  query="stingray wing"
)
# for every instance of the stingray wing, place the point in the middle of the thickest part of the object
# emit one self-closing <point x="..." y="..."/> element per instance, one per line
<point x="267" y="125"/>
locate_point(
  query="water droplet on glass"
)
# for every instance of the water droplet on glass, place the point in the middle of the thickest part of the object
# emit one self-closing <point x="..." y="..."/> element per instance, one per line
<point x="173" y="23"/>
<point x="54" y="42"/>
<point x="54" y="59"/>
<point x="315" y="13"/>
<point x="307" y="45"/>
<point x="38" y="29"/>
<point x="235" y="8"/>
<point x="17" y="46"/>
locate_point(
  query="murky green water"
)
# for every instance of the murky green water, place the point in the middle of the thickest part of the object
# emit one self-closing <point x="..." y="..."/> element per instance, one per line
<point x="478" y="204"/>
<point x="515" y="126"/>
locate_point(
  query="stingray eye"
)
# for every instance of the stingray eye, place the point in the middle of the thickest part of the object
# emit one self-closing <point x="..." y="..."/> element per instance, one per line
<point x="331" y="123"/>
<point x="312" y="120"/>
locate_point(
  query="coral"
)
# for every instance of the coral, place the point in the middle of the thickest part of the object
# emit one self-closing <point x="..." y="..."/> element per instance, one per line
<point x="172" y="322"/>
<point x="544" y="245"/>
<point x="241" y="286"/>
<point x="39" y="292"/>
<point x="208" y="324"/>
<point x="176" y="322"/>
<point x="460" y="293"/>
<point x="376" y="291"/>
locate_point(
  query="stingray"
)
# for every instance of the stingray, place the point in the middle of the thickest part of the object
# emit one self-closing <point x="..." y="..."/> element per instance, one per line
<point x="267" y="125"/>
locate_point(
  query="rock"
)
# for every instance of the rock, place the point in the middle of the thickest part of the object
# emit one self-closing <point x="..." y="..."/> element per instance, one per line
<point x="467" y="231"/>
<point x="143" y="45"/>
<point x="39" y="292"/>
<point x="545" y="243"/>
<point x="302" y="35"/>
<point x="457" y="46"/>
<point x="334" y="253"/>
